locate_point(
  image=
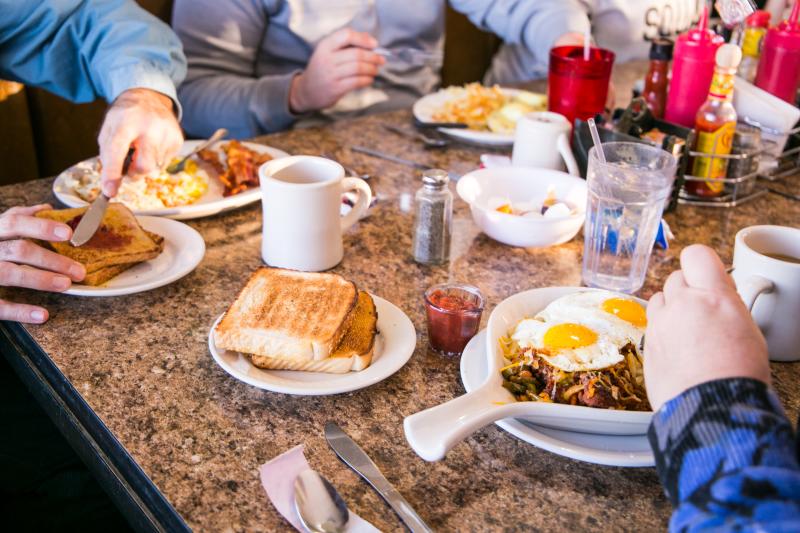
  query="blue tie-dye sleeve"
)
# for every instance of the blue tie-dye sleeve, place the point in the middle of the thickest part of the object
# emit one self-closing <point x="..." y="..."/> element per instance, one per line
<point x="728" y="459"/>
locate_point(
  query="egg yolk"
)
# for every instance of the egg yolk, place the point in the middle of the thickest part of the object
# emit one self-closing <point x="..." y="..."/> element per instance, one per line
<point x="568" y="336"/>
<point x="627" y="310"/>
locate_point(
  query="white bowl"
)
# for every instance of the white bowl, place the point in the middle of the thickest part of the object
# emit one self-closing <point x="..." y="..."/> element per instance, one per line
<point x="523" y="184"/>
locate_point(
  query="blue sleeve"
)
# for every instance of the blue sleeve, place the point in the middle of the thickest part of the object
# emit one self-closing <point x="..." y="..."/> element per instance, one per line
<point x="531" y="25"/>
<point x="82" y="49"/>
<point x="727" y="458"/>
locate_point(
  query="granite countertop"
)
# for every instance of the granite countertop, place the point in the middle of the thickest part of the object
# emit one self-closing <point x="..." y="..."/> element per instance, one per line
<point x="142" y="363"/>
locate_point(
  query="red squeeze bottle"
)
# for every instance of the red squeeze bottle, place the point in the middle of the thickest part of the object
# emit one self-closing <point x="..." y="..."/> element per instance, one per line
<point x="779" y="67"/>
<point x="692" y="69"/>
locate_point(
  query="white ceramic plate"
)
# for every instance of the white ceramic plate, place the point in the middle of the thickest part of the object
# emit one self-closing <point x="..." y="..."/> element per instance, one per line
<point x="184" y="248"/>
<point x="396" y="342"/>
<point x="211" y="203"/>
<point x="611" y="450"/>
<point x="428" y="105"/>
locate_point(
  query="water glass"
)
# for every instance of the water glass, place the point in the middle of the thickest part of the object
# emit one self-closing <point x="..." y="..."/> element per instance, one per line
<point x="626" y="199"/>
<point x="577" y="87"/>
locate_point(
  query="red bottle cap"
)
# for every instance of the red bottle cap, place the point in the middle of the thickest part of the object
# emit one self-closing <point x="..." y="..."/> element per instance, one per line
<point x="759" y="19"/>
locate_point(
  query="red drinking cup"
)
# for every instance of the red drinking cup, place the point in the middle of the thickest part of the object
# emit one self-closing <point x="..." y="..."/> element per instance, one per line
<point x="577" y="87"/>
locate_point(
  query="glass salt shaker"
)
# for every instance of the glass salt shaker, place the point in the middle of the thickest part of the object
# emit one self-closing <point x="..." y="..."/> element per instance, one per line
<point x="433" y="219"/>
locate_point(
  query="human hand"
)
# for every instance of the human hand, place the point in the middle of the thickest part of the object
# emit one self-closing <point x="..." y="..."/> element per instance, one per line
<point x="24" y="264"/>
<point x="142" y="119"/>
<point x="342" y="62"/>
<point x="699" y="330"/>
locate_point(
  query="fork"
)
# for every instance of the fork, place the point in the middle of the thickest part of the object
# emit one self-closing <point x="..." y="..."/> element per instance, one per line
<point x="180" y="165"/>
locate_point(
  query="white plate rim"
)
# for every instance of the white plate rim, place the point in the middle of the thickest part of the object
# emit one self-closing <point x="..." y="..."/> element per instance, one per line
<point x="188" y="238"/>
<point x="486" y="138"/>
<point x="186" y="212"/>
<point x="530" y="433"/>
<point x="404" y="346"/>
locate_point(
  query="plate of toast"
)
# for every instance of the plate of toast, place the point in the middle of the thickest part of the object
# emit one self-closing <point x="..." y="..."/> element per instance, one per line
<point x="128" y="254"/>
<point x="310" y="334"/>
<point x="215" y="180"/>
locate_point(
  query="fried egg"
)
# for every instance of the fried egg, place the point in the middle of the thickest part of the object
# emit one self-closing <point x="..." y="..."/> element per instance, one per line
<point x="583" y="330"/>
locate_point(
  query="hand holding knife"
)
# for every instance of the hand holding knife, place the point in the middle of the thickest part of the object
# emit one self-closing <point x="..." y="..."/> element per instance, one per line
<point x="93" y="216"/>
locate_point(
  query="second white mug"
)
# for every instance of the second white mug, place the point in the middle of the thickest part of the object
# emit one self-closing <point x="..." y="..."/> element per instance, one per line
<point x="766" y="268"/>
<point x="542" y="140"/>
<point x="301" y="200"/>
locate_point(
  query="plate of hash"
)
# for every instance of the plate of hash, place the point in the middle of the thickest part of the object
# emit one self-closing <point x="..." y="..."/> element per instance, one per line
<point x="566" y="358"/>
<point x="490" y="113"/>
<point x="217" y="179"/>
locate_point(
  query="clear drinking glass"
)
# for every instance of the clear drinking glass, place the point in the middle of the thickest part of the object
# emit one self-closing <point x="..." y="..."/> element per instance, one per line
<point x="626" y="200"/>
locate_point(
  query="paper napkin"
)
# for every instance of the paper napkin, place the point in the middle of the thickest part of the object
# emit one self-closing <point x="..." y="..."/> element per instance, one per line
<point x="277" y="477"/>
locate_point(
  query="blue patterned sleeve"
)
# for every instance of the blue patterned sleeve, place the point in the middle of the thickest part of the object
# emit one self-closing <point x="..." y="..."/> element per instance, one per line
<point x="728" y="459"/>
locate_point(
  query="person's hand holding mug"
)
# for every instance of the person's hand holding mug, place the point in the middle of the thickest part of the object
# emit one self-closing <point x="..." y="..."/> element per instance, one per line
<point x="342" y="62"/>
<point x="698" y="330"/>
<point x="25" y="264"/>
<point x="141" y="119"/>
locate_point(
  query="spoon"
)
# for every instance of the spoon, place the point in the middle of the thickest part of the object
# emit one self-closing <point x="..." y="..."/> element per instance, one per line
<point x="180" y="165"/>
<point x="429" y="142"/>
<point x="319" y="506"/>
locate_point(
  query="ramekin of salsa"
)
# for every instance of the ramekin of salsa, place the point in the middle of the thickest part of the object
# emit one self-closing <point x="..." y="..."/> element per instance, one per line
<point x="454" y="315"/>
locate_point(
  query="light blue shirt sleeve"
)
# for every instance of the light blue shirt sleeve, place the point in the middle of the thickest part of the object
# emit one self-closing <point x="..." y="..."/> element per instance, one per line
<point x="82" y="49"/>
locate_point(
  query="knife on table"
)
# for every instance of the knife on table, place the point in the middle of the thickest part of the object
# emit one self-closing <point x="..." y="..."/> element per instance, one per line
<point x="93" y="216"/>
<point x="352" y="454"/>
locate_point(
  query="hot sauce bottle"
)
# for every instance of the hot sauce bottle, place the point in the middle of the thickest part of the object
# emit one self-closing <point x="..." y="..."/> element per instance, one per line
<point x="715" y="125"/>
<point x="657" y="79"/>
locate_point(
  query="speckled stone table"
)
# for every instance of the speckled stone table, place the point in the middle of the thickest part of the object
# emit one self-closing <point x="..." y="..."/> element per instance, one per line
<point x="142" y="365"/>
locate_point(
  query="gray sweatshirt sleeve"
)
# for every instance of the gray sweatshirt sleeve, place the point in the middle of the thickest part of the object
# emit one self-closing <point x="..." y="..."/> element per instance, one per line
<point x="221" y="40"/>
<point x="530" y="24"/>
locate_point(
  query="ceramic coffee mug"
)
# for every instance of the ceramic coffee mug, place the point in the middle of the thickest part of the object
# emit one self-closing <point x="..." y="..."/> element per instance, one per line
<point x="302" y="197"/>
<point x="766" y="268"/>
<point x="542" y="140"/>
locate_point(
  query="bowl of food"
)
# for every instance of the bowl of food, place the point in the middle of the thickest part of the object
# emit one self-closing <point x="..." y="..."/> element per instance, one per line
<point x="568" y="358"/>
<point x="525" y="206"/>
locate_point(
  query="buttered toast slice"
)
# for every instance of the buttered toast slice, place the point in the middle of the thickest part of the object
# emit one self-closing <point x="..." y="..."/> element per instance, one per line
<point x="285" y="314"/>
<point x="354" y="353"/>
<point x="119" y="239"/>
<point x="104" y="274"/>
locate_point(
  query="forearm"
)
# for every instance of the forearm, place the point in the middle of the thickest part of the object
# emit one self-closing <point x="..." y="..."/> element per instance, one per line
<point x="245" y="106"/>
<point x="726" y="456"/>
<point x="83" y="50"/>
<point x="533" y="25"/>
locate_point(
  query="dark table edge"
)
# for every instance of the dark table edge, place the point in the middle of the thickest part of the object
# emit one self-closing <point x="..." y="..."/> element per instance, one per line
<point x="134" y="494"/>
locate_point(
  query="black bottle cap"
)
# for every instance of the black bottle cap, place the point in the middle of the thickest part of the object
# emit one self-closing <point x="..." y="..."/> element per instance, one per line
<point x="661" y="49"/>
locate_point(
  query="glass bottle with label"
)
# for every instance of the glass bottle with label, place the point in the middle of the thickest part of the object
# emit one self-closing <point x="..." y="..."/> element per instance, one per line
<point x="754" y="33"/>
<point x="657" y="79"/>
<point x="715" y="125"/>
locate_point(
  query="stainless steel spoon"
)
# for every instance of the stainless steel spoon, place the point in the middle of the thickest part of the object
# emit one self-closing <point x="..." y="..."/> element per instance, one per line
<point x="426" y="140"/>
<point x="319" y="506"/>
<point x="180" y="165"/>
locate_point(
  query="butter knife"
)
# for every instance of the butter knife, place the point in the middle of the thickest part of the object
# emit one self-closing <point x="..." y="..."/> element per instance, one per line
<point x="93" y="216"/>
<point x="352" y="454"/>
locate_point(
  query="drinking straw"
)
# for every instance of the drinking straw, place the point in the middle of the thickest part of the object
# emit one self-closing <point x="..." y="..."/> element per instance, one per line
<point x="598" y="146"/>
<point x="793" y="22"/>
<point x="587" y="37"/>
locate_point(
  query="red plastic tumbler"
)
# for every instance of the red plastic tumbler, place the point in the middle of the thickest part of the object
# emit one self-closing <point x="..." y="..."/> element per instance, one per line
<point x="577" y="87"/>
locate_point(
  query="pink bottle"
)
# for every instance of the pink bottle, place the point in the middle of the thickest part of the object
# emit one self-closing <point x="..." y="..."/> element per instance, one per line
<point x="692" y="69"/>
<point x="779" y="67"/>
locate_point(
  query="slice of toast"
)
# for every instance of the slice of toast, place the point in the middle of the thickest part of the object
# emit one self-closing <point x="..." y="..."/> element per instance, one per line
<point x="354" y="353"/>
<point x="119" y="239"/>
<point x="292" y="315"/>
<point x="102" y="275"/>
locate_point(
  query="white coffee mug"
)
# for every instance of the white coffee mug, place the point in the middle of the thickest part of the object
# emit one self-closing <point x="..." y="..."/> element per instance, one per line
<point x="542" y="140"/>
<point x="302" y="197"/>
<point x="766" y="268"/>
